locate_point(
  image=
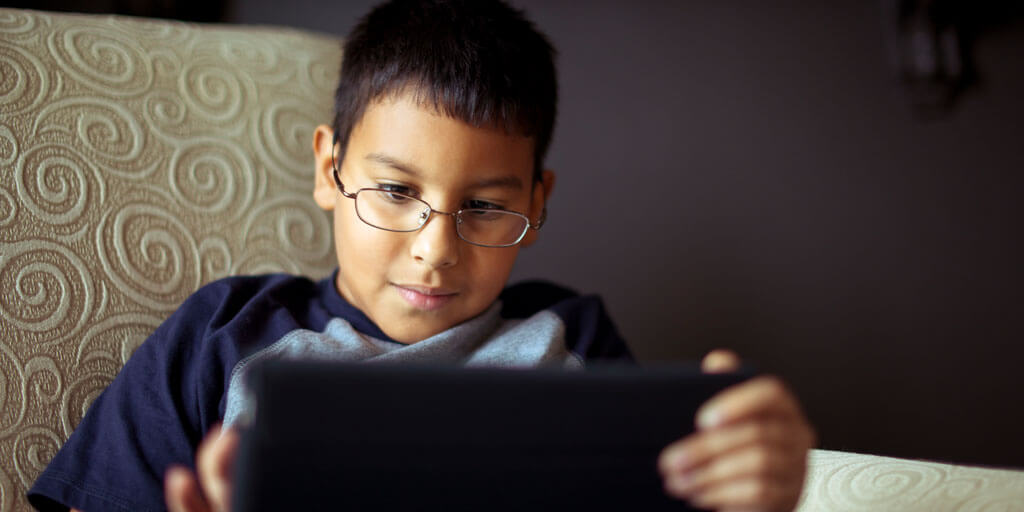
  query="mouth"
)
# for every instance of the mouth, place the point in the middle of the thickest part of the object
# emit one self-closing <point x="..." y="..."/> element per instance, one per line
<point x="424" y="298"/>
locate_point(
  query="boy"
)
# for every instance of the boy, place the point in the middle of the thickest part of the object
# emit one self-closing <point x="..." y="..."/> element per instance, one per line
<point x="433" y="171"/>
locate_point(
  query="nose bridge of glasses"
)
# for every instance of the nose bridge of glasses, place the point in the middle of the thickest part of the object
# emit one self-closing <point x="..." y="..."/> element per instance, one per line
<point x="428" y="211"/>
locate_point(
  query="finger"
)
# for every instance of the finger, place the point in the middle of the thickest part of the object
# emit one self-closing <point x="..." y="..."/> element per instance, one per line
<point x="720" y="361"/>
<point x="697" y="449"/>
<point x="214" y="464"/>
<point x="761" y="396"/>
<point x="766" y="462"/>
<point x="181" y="491"/>
<point x="767" y="495"/>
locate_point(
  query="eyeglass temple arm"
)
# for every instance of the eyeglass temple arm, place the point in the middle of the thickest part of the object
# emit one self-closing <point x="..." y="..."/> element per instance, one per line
<point x="334" y="167"/>
<point x="341" y="186"/>
<point x="540" y="221"/>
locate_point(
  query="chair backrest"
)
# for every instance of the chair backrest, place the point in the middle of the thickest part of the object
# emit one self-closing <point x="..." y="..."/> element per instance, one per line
<point x="139" y="159"/>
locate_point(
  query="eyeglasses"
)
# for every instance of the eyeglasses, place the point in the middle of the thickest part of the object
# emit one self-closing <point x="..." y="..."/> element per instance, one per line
<point x="392" y="211"/>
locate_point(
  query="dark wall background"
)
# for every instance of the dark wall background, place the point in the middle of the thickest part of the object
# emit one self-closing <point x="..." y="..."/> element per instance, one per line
<point x="750" y="175"/>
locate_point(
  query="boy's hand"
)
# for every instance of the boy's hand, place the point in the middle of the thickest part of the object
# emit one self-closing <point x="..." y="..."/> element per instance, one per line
<point x="212" y="491"/>
<point x="749" y="451"/>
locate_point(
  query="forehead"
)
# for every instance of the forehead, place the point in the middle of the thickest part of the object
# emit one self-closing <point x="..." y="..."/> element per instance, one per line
<point x="440" y="147"/>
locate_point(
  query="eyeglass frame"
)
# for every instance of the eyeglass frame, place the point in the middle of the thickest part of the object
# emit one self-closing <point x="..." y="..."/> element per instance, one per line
<point x="456" y="214"/>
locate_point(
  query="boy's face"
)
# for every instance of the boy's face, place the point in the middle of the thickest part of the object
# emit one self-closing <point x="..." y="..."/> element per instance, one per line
<point x="417" y="284"/>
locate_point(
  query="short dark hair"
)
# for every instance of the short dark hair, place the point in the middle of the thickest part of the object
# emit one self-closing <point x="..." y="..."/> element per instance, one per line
<point x="478" y="61"/>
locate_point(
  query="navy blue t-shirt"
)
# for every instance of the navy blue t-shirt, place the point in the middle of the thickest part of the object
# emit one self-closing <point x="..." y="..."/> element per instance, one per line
<point x="189" y="374"/>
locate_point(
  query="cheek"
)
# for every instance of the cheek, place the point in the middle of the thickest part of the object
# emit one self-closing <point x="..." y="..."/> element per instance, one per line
<point x="363" y="251"/>
<point x="491" y="267"/>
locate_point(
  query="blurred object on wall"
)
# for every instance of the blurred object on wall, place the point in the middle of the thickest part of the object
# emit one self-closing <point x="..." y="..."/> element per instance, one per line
<point x="931" y="49"/>
<point x="931" y="45"/>
<point x="205" y="11"/>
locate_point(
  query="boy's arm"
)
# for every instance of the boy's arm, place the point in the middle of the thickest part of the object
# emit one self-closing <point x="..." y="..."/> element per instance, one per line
<point x="750" y="450"/>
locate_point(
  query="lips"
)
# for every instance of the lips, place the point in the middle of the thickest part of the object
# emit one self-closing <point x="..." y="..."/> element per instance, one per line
<point x="425" y="298"/>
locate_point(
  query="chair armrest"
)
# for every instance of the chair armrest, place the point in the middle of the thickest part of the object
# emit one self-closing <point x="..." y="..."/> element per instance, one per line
<point x="842" y="481"/>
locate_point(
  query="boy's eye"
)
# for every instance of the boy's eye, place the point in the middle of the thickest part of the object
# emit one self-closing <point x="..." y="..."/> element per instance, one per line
<point x="391" y="187"/>
<point x="392" y="191"/>
<point x="476" y="204"/>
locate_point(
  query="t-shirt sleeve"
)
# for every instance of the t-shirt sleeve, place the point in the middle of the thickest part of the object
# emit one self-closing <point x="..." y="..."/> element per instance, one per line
<point x="152" y="415"/>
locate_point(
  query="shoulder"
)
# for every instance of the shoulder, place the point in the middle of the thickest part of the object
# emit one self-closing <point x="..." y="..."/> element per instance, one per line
<point x="527" y="298"/>
<point x="238" y="303"/>
<point x="228" y="317"/>
<point x="221" y="300"/>
<point x="589" y="331"/>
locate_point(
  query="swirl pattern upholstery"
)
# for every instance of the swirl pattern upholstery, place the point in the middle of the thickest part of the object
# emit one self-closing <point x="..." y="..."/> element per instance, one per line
<point x="850" y="482"/>
<point x="140" y="159"/>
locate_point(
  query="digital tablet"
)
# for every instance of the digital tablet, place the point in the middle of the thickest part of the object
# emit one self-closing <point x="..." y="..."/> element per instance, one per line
<point x="332" y="436"/>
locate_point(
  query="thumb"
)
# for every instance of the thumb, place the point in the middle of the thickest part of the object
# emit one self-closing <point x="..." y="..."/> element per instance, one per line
<point x="182" y="492"/>
<point x="720" y="361"/>
<point x="214" y="464"/>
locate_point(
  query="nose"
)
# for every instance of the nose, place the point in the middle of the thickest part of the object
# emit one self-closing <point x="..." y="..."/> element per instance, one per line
<point x="436" y="244"/>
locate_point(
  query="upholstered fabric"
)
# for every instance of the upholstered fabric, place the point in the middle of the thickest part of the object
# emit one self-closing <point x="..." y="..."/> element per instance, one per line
<point x="140" y="159"/>
<point x="850" y="482"/>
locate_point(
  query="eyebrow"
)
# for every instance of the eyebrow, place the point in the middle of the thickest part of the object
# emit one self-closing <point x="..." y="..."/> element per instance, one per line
<point x="395" y="163"/>
<point x="508" y="181"/>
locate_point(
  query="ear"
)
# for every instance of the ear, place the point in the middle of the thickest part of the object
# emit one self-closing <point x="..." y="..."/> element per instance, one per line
<point x="325" y="192"/>
<point x="538" y="204"/>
